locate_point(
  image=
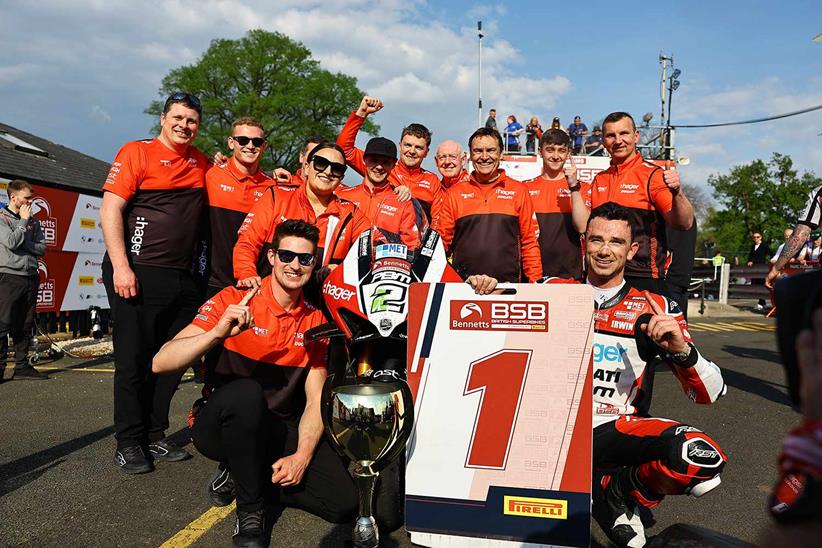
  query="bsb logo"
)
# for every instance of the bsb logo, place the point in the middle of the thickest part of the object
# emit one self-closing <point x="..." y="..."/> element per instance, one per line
<point x="499" y="316"/>
<point x="535" y="508"/>
<point x="41" y="209"/>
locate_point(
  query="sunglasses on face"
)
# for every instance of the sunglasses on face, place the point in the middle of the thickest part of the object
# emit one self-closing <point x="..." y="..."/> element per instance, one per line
<point x="286" y="256"/>
<point x="321" y="164"/>
<point x="243" y="140"/>
<point x="193" y="100"/>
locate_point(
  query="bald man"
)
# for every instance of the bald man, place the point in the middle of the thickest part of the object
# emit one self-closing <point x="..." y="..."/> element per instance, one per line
<point x="450" y="160"/>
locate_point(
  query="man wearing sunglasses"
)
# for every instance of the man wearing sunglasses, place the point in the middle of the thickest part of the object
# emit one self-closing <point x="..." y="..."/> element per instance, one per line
<point x="414" y="143"/>
<point x="261" y="418"/>
<point x="340" y="222"/>
<point x="233" y="188"/>
<point x="153" y="201"/>
<point x="375" y="198"/>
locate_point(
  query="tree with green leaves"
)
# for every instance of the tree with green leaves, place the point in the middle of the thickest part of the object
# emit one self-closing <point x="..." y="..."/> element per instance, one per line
<point x="272" y="78"/>
<point x="758" y="196"/>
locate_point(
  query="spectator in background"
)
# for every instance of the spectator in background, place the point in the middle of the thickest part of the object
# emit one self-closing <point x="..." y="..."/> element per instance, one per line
<point x="533" y="132"/>
<point x="593" y="144"/>
<point x="681" y="244"/>
<point x="491" y="122"/>
<point x="556" y="124"/>
<point x="512" y="132"/>
<point x="577" y="131"/>
<point x="812" y="252"/>
<point x="760" y="251"/>
<point x="21" y="242"/>
<point x="758" y="255"/>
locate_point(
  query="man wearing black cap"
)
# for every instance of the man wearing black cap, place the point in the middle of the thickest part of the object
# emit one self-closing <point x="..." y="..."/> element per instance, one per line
<point x="593" y="144"/>
<point x="377" y="200"/>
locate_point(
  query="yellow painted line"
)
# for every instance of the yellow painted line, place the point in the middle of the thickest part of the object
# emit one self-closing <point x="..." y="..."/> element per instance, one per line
<point x="758" y="326"/>
<point x="199" y="527"/>
<point x="704" y="327"/>
<point x="735" y="326"/>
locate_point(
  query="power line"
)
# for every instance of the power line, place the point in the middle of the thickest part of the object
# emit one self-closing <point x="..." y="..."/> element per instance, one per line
<point x="778" y="116"/>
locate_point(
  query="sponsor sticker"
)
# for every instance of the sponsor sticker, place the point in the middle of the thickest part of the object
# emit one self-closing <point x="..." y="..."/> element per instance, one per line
<point x="499" y="316"/>
<point x="392" y="264"/>
<point x="87" y="223"/>
<point x="396" y="251"/>
<point x="532" y="507"/>
<point x="86" y="280"/>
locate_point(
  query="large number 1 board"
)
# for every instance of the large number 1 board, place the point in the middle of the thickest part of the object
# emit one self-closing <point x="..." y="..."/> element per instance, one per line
<point x="501" y="450"/>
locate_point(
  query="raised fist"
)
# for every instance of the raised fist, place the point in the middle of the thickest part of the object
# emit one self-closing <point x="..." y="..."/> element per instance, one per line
<point x="369" y="105"/>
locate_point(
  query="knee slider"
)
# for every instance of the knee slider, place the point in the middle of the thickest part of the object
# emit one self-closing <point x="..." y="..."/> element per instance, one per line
<point x="689" y="448"/>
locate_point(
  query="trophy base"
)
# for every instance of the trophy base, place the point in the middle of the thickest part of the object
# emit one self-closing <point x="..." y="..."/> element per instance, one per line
<point x="365" y="533"/>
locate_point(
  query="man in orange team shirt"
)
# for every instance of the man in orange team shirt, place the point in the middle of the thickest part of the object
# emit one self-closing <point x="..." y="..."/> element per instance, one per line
<point x="450" y="158"/>
<point x="653" y="195"/>
<point x="395" y="219"/>
<point x="153" y="202"/>
<point x="487" y="223"/>
<point x="414" y="143"/>
<point x="560" y="204"/>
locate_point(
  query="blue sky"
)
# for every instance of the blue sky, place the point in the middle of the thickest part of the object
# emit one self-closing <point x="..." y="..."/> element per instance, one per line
<point x="80" y="72"/>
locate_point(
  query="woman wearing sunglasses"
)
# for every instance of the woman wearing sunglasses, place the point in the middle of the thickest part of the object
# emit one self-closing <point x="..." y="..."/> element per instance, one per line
<point x="339" y="221"/>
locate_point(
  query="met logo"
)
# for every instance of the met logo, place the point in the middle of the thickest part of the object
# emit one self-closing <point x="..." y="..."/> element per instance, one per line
<point x="608" y="353"/>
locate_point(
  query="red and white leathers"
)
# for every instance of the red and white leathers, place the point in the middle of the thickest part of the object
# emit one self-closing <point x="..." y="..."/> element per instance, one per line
<point x="664" y="457"/>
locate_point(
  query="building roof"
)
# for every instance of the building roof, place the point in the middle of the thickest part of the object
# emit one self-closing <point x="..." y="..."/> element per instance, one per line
<point x="37" y="160"/>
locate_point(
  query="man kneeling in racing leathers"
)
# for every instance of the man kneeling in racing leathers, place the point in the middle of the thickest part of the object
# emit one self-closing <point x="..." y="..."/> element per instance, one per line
<point x="639" y="459"/>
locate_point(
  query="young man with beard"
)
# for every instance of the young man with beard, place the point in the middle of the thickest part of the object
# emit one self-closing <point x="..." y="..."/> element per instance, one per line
<point x="339" y="221"/>
<point x="153" y="201"/>
<point x="414" y="143"/>
<point x="450" y="159"/>
<point x="261" y="417"/>
<point x="487" y="223"/>
<point x="376" y="199"/>
<point x="653" y="195"/>
<point x="561" y="204"/>
<point x="232" y="189"/>
<point x="639" y="459"/>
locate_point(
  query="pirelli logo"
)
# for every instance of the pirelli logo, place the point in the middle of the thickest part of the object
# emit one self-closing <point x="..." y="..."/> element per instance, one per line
<point x="536" y="508"/>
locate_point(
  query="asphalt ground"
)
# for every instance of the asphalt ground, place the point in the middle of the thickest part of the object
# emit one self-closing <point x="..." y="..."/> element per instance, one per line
<point x="58" y="486"/>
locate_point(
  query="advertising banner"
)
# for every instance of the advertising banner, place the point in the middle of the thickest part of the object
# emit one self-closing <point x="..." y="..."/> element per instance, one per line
<point x="70" y="270"/>
<point x="501" y="451"/>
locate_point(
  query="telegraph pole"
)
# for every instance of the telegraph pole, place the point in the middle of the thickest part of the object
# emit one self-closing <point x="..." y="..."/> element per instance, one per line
<point x="479" y="79"/>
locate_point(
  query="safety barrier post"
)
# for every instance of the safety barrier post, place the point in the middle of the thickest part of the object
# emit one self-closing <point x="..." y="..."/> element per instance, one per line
<point x="724" y="282"/>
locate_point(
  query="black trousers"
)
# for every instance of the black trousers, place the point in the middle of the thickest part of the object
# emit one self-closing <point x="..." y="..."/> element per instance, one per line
<point x="18" y="299"/>
<point x="236" y="428"/>
<point x="166" y="303"/>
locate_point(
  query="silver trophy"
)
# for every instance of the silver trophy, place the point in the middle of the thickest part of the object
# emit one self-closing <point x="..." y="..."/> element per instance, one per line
<point x="369" y="424"/>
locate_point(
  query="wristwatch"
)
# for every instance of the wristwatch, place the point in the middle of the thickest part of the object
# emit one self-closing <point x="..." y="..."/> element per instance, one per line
<point x="574" y="188"/>
<point x="682" y="357"/>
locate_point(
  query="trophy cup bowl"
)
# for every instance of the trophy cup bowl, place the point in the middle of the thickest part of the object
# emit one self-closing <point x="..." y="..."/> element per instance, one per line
<point x="369" y="424"/>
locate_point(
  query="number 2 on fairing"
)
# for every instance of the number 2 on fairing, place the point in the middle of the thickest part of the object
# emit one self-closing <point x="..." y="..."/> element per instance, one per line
<point x="500" y="380"/>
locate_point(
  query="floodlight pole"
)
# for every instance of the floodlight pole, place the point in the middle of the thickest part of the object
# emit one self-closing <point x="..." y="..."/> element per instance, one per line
<point x="479" y="79"/>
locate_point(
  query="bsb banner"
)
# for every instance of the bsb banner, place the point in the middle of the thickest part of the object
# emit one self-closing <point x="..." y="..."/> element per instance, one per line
<point x="70" y="277"/>
<point x="501" y="452"/>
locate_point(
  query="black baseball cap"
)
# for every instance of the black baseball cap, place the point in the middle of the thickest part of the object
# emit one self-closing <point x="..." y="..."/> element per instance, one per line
<point x="381" y="146"/>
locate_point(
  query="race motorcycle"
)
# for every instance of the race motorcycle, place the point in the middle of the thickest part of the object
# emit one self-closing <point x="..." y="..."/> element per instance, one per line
<point x="367" y="407"/>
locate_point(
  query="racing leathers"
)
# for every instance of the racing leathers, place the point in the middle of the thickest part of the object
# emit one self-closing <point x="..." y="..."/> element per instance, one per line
<point x="659" y="456"/>
<point x="664" y="457"/>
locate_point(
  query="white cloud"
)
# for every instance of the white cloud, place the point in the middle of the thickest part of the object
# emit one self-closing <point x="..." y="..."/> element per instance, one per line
<point x="98" y="113"/>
